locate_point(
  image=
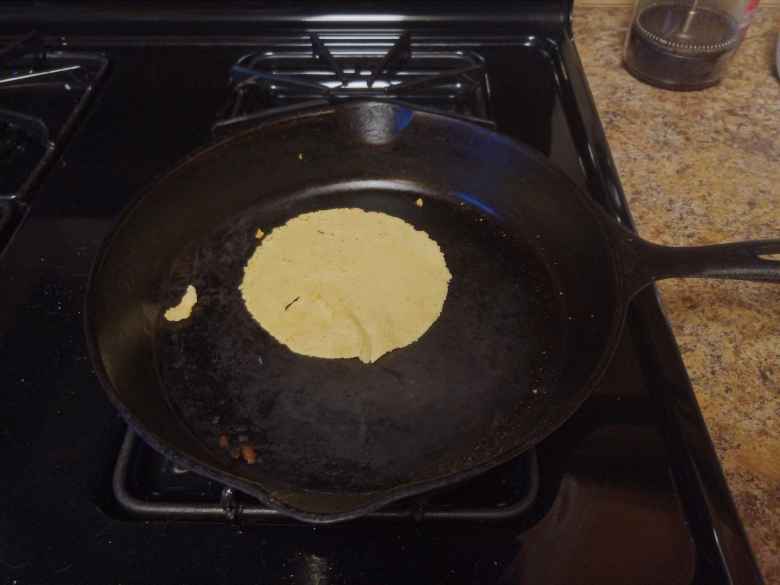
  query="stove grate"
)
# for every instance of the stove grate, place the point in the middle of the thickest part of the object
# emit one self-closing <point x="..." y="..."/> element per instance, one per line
<point x="148" y="486"/>
<point x="272" y="81"/>
<point x="42" y="93"/>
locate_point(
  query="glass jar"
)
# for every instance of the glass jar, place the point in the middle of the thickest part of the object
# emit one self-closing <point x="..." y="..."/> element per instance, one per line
<point x="683" y="44"/>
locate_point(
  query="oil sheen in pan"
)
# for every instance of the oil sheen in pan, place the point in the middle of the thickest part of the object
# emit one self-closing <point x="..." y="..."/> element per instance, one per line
<point x="485" y="354"/>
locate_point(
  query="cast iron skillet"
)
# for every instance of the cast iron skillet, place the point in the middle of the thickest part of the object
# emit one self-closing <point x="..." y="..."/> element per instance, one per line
<point x="541" y="281"/>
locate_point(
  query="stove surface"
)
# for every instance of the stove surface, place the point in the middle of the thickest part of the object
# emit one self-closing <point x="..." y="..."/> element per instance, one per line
<point x="629" y="490"/>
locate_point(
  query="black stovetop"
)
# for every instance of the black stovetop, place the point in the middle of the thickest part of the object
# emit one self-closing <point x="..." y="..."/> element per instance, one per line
<point x="628" y="491"/>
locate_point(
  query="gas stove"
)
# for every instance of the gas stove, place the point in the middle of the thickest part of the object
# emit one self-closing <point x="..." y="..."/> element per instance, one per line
<point x="628" y="491"/>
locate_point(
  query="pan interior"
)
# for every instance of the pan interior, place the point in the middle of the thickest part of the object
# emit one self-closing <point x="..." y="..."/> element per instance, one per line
<point x="424" y="410"/>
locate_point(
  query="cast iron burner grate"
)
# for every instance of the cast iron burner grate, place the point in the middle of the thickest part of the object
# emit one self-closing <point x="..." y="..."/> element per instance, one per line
<point x="148" y="486"/>
<point x="268" y="81"/>
<point x="42" y="93"/>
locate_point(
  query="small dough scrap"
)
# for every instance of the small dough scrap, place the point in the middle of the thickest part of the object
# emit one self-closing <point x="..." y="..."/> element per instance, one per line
<point x="345" y="283"/>
<point x="184" y="308"/>
<point x="419" y="202"/>
<point x="259" y="234"/>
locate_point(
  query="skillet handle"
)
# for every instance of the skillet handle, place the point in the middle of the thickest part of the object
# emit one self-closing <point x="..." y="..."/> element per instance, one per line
<point x="645" y="263"/>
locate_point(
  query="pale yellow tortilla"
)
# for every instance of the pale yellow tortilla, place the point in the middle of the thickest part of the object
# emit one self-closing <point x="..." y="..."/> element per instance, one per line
<point x="184" y="308"/>
<point x="344" y="283"/>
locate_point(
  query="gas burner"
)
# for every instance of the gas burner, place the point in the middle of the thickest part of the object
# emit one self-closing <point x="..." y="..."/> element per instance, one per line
<point x="42" y="92"/>
<point x="267" y="81"/>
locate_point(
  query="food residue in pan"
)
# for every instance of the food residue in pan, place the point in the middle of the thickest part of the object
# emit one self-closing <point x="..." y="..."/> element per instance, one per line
<point x="241" y="451"/>
<point x="259" y="234"/>
<point x="419" y="202"/>
<point x="184" y="308"/>
<point x="248" y="454"/>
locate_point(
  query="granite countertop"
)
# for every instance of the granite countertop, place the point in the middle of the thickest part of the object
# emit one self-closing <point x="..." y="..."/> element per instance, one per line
<point x="701" y="168"/>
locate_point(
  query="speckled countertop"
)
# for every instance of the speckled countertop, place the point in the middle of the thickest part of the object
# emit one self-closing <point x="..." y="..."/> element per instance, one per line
<point x="701" y="168"/>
